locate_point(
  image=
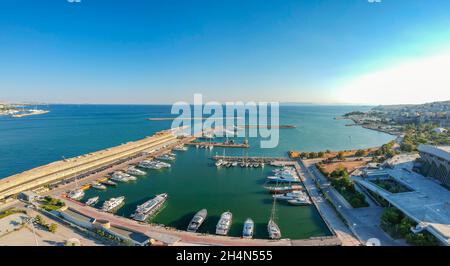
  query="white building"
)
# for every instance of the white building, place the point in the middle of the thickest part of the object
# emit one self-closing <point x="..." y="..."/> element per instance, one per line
<point x="440" y="130"/>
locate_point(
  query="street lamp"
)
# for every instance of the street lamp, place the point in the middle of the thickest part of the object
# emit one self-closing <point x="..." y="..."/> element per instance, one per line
<point x="31" y="222"/>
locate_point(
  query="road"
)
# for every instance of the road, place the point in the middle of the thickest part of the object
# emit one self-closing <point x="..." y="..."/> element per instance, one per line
<point x="362" y="222"/>
<point x="327" y="211"/>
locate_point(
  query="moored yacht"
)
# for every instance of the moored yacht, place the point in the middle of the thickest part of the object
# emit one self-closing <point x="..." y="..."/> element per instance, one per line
<point x="92" y="201"/>
<point x="197" y="220"/>
<point x="273" y="230"/>
<point x="109" y="183"/>
<point x="120" y="177"/>
<point x="134" y="171"/>
<point x="290" y="195"/>
<point x="300" y="201"/>
<point x="249" y="226"/>
<point x="150" y="207"/>
<point x="113" y="204"/>
<point x="283" y="179"/>
<point x="180" y="148"/>
<point x="99" y="186"/>
<point x="166" y="157"/>
<point x="224" y="224"/>
<point x="283" y="189"/>
<point x="219" y="163"/>
<point x="76" y="194"/>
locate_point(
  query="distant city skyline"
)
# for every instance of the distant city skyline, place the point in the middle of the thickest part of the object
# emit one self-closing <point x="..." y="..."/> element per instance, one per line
<point x="160" y="52"/>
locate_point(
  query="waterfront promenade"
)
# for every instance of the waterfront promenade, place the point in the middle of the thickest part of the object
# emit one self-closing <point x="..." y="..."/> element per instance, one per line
<point x="219" y="144"/>
<point x="171" y="236"/>
<point x="361" y="223"/>
<point x="327" y="212"/>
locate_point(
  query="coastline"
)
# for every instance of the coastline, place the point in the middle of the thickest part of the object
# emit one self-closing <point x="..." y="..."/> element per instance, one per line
<point x="374" y="127"/>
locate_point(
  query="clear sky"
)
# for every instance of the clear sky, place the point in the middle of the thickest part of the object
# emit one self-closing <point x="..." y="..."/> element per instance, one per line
<point x="130" y="51"/>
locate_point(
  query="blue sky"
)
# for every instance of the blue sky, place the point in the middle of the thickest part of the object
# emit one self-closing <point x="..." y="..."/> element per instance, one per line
<point x="121" y="51"/>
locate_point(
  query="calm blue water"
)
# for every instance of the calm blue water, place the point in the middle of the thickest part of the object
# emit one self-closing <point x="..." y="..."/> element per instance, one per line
<point x="193" y="182"/>
<point x="71" y="130"/>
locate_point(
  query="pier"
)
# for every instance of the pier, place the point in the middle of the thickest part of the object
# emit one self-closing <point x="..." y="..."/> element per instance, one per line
<point x="220" y="144"/>
<point x="90" y="164"/>
<point x="274" y="160"/>
<point x="268" y="126"/>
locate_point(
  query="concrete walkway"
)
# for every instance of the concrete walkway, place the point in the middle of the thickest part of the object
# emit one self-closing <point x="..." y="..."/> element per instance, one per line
<point x="329" y="214"/>
<point x="362" y="222"/>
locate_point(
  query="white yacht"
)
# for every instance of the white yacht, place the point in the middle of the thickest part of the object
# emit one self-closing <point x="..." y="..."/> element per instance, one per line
<point x="224" y="224"/>
<point x="166" y="157"/>
<point x="180" y="148"/>
<point x="150" y="207"/>
<point x="134" y="171"/>
<point x="290" y="195"/>
<point x="92" y="201"/>
<point x="249" y="226"/>
<point x="149" y="165"/>
<point x="282" y="179"/>
<point x="154" y="164"/>
<point x="300" y="201"/>
<point x="113" y="204"/>
<point x="76" y="194"/>
<point x="197" y="220"/>
<point x="120" y="177"/>
<point x="273" y="230"/>
<point x="99" y="186"/>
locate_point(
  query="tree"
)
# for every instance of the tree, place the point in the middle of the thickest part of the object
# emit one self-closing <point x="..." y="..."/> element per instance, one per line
<point x="340" y="156"/>
<point x="52" y="228"/>
<point x="407" y="146"/>
<point x="312" y="155"/>
<point x="39" y="219"/>
<point x="321" y="154"/>
<point x="391" y="216"/>
<point x="360" y="153"/>
<point x="405" y="226"/>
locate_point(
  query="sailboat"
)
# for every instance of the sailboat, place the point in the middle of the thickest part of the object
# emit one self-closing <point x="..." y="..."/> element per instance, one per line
<point x="77" y="193"/>
<point x="272" y="227"/>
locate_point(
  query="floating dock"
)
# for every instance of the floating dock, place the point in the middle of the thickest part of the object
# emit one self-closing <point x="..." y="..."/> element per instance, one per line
<point x="220" y="144"/>
<point x="251" y="159"/>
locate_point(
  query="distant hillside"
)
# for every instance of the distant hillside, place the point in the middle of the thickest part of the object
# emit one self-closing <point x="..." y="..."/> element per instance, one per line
<point x="433" y="107"/>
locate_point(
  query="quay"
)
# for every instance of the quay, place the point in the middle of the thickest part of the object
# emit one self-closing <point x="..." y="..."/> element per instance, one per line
<point x="274" y="160"/>
<point x="220" y="144"/>
<point x="88" y="164"/>
<point x="175" y="237"/>
<point x="33" y="112"/>
<point x="188" y="118"/>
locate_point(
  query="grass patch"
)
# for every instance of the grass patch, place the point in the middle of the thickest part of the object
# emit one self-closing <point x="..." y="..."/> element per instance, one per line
<point x="341" y="181"/>
<point x="51" y="204"/>
<point x="391" y="185"/>
<point x="11" y="211"/>
<point x="397" y="225"/>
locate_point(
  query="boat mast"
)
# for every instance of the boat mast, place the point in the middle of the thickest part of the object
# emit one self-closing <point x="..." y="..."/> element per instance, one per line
<point x="272" y="215"/>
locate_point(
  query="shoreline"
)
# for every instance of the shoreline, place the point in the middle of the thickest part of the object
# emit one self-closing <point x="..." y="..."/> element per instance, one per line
<point x="373" y="127"/>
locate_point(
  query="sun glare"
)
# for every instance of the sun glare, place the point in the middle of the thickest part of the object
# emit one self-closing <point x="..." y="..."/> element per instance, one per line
<point x="415" y="81"/>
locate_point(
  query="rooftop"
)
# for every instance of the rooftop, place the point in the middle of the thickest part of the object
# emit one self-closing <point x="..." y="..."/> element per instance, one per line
<point x="78" y="216"/>
<point x="439" y="151"/>
<point x="133" y="235"/>
<point x="428" y="203"/>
